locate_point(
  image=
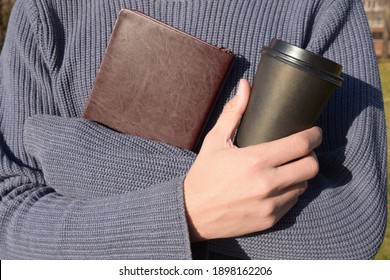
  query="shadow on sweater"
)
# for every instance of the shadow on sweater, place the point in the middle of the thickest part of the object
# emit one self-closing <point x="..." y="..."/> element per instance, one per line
<point x="331" y="155"/>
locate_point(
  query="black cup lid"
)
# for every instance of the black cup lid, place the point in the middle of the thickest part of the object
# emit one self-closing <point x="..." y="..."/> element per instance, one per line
<point x="326" y="68"/>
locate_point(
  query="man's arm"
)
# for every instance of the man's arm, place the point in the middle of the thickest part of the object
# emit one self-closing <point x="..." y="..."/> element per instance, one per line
<point x="37" y="221"/>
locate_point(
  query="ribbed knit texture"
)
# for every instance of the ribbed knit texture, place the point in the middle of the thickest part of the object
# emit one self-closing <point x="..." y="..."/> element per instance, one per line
<point x="72" y="189"/>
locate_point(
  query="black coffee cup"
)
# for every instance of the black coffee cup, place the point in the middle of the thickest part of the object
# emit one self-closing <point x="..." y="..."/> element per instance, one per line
<point x="289" y="92"/>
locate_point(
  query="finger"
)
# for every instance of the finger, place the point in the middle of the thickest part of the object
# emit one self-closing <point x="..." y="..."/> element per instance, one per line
<point x="232" y="112"/>
<point x="280" y="204"/>
<point x="285" y="207"/>
<point x="289" y="196"/>
<point x="296" y="171"/>
<point x="292" y="191"/>
<point x="289" y="148"/>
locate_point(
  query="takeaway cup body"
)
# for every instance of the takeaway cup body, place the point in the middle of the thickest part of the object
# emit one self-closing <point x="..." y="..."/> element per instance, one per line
<point x="290" y="90"/>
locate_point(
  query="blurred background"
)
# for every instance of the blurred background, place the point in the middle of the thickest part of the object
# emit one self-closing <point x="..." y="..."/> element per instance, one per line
<point x="5" y="8"/>
<point x="378" y="14"/>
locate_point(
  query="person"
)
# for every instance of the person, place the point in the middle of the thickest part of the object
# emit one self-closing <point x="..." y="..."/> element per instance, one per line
<point x="73" y="189"/>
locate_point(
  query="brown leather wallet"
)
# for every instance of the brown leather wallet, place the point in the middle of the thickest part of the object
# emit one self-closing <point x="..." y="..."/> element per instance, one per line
<point x="157" y="82"/>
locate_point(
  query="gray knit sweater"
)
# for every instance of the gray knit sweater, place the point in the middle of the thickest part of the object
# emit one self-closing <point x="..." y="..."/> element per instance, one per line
<point x="72" y="189"/>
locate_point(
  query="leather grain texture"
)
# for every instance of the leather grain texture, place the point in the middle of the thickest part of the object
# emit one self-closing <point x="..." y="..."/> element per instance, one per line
<point x="156" y="81"/>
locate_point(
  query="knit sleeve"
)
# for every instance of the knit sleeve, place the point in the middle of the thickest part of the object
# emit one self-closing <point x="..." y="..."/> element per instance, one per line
<point x="342" y="215"/>
<point x="45" y="212"/>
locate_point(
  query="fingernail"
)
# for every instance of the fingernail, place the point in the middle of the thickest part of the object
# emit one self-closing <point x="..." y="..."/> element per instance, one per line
<point x="303" y="189"/>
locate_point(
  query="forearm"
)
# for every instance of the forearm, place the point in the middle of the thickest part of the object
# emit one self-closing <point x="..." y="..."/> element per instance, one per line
<point x="82" y="198"/>
<point x="83" y="159"/>
<point x="37" y="223"/>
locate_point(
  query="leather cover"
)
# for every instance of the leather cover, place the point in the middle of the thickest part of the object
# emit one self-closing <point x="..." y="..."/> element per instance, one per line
<point x="156" y="81"/>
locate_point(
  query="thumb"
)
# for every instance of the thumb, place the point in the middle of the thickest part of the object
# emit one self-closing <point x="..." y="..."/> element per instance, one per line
<point x="232" y="112"/>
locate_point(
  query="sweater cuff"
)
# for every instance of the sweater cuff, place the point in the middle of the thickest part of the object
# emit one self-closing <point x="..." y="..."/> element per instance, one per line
<point x="149" y="225"/>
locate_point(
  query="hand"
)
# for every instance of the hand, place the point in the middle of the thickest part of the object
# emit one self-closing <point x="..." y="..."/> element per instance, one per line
<point x="232" y="191"/>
